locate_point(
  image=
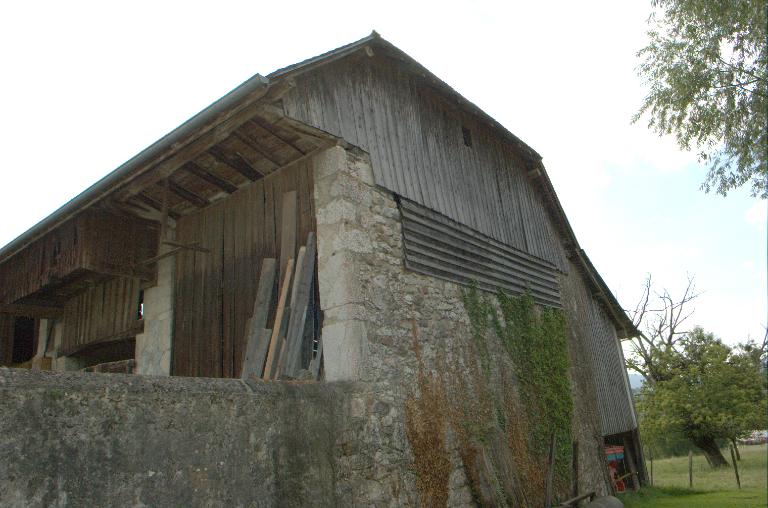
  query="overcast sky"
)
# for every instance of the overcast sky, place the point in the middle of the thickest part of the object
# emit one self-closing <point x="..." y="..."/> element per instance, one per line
<point x="86" y="86"/>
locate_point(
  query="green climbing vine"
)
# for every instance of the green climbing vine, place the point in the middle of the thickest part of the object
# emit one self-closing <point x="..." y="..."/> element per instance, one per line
<point x="535" y="340"/>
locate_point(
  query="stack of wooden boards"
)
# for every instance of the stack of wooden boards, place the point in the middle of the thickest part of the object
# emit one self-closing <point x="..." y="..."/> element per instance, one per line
<point x="277" y="352"/>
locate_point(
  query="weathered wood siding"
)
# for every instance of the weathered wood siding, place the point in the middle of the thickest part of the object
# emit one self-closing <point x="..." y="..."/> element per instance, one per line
<point x="215" y="291"/>
<point x="95" y="240"/>
<point x="597" y="333"/>
<point x="109" y="310"/>
<point x="416" y="143"/>
<point x="415" y="137"/>
<point x="438" y="246"/>
<point x="6" y="339"/>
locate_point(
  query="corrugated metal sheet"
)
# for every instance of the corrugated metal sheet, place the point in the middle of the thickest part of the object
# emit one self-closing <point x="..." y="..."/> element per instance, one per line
<point x="438" y="246"/>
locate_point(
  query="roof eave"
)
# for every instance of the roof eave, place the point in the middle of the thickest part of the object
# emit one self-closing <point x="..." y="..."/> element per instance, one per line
<point x="136" y="165"/>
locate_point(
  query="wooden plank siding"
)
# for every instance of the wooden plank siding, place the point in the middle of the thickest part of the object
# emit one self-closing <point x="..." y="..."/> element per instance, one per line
<point x="438" y="246"/>
<point x="414" y="137"/>
<point x="94" y="241"/>
<point x="215" y="291"/>
<point x="597" y="335"/>
<point x="106" y="311"/>
<point x="6" y="339"/>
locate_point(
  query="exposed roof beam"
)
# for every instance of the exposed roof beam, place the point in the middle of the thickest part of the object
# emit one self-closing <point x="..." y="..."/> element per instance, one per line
<point x="189" y="151"/>
<point x="185" y="194"/>
<point x="269" y="128"/>
<point x="254" y="145"/>
<point x="236" y="162"/>
<point x="201" y="173"/>
<point x="155" y="205"/>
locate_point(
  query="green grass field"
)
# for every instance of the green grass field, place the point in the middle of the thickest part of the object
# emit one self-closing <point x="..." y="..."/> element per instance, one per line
<point x="711" y="488"/>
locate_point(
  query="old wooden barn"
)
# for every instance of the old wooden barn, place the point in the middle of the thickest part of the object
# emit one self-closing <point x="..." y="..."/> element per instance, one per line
<point x="198" y="256"/>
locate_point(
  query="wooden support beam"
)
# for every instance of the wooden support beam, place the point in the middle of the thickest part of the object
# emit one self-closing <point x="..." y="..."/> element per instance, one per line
<point x="185" y="194"/>
<point x="236" y="162"/>
<point x="30" y="311"/>
<point x="254" y="145"/>
<point x="179" y="247"/>
<point x="195" y="246"/>
<point x="129" y="333"/>
<point x="143" y="198"/>
<point x="263" y="124"/>
<point x="201" y="173"/>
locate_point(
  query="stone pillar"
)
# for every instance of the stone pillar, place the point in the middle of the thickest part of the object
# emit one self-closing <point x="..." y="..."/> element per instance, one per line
<point x="62" y="363"/>
<point x="153" y="347"/>
<point x="341" y="191"/>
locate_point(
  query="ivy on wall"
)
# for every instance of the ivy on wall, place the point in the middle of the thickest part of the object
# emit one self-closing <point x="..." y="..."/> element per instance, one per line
<point x="509" y="392"/>
<point x="535" y="340"/>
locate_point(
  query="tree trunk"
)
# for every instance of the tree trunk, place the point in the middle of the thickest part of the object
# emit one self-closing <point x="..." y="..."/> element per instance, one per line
<point x="712" y="451"/>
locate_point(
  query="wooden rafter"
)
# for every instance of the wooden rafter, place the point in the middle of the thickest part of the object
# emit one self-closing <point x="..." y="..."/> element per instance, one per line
<point x="201" y="173"/>
<point x="152" y="203"/>
<point x="185" y="194"/>
<point x="264" y="125"/>
<point x="236" y="162"/>
<point x="255" y="146"/>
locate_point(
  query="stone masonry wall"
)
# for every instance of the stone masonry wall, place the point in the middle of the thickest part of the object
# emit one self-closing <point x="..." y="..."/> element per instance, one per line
<point x="377" y="314"/>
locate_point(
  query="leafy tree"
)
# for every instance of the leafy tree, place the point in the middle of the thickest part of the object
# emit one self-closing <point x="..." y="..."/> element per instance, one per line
<point x="707" y="392"/>
<point x="707" y="67"/>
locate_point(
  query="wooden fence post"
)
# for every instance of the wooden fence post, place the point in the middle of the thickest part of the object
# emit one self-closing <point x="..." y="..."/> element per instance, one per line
<point x="690" y="468"/>
<point x="650" y="455"/>
<point x="735" y="467"/>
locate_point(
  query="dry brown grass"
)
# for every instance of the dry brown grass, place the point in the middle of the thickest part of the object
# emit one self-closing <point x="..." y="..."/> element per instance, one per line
<point x="425" y="426"/>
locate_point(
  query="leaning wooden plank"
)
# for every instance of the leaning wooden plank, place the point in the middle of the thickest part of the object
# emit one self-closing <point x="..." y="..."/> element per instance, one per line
<point x="299" y="307"/>
<point x="256" y="349"/>
<point x="273" y="351"/>
<point x="296" y="282"/>
<point x="287" y="229"/>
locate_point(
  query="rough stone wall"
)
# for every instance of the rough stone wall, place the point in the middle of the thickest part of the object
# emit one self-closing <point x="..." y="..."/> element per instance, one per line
<point x="98" y="440"/>
<point x="371" y="304"/>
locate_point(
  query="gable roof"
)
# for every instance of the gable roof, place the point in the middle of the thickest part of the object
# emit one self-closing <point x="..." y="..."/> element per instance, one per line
<point x="259" y="87"/>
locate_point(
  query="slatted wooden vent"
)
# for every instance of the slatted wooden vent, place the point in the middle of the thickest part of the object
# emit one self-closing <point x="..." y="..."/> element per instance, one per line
<point x="438" y="246"/>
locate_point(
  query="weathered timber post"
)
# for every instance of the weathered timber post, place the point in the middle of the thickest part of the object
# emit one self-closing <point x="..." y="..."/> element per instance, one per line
<point x="650" y="455"/>
<point x="629" y="454"/>
<point x="735" y="447"/>
<point x="690" y="468"/>
<point x="735" y="467"/>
